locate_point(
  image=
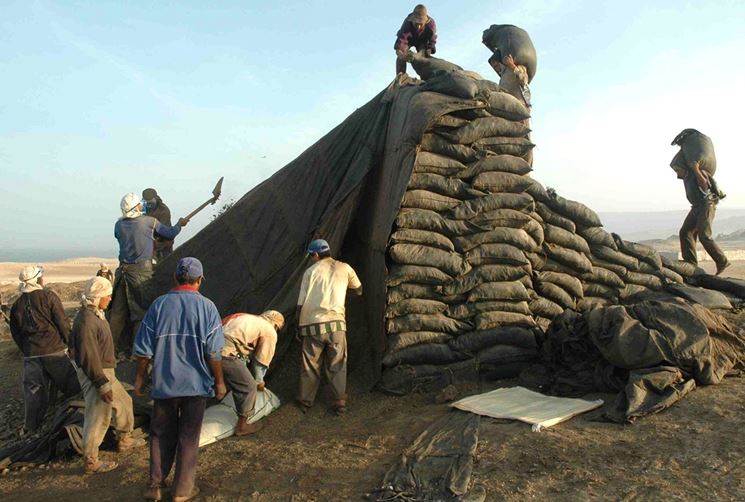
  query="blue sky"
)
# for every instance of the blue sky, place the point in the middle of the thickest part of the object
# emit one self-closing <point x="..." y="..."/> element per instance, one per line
<point x="102" y="98"/>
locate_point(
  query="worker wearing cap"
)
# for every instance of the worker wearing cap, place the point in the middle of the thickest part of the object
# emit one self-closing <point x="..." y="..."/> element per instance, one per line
<point x="40" y="329"/>
<point x="135" y="233"/>
<point x="322" y="325"/>
<point x="418" y="31"/>
<point x="155" y="207"/>
<point x="181" y="334"/>
<point x="92" y="349"/>
<point x="248" y="338"/>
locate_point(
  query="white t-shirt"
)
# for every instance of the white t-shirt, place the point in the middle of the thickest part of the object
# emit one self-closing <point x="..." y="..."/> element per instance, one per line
<point x="324" y="291"/>
<point x="249" y="335"/>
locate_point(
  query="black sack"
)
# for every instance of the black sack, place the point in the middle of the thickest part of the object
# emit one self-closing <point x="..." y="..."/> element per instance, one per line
<point x="509" y="39"/>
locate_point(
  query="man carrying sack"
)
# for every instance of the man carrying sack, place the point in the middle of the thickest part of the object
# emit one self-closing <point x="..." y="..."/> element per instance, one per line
<point x="695" y="164"/>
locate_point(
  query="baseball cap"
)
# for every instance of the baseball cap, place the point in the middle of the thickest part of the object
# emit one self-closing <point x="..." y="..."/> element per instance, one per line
<point x="189" y="268"/>
<point x="318" y="246"/>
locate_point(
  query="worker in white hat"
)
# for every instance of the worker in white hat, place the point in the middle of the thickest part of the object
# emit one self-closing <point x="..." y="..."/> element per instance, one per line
<point x="92" y="349"/>
<point x="248" y="339"/>
<point x="135" y="233"/>
<point x="40" y="329"/>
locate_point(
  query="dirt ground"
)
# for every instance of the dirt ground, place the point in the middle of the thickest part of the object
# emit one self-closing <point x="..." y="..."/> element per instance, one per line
<point x="692" y="451"/>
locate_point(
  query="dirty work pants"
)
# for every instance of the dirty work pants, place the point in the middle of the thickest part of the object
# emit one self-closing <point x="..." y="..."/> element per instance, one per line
<point x="98" y="414"/>
<point x="327" y="351"/>
<point x="241" y="383"/>
<point x="174" y="436"/>
<point x="698" y="225"/>
<point x="129" y="302"/>
<point x="38" y="372"/>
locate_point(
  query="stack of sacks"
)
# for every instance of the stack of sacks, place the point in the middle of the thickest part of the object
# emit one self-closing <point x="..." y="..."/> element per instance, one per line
<point x="483" y="257"/>
<point x="466" y="241"/>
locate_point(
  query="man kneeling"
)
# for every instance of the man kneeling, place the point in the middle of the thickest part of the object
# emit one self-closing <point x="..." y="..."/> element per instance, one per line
<point x="92" y="347"/>
<point x="248" y="338"/>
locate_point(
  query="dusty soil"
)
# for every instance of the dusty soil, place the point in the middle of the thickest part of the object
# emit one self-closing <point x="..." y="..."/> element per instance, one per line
<point x="692" y="451"/>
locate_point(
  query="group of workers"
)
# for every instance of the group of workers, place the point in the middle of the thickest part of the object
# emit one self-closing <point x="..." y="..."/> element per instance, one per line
<point x="184" y="347"/>
<point x="181" y="345"/>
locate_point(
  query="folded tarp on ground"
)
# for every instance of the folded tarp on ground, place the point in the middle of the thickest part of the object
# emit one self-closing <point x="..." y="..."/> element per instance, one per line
<point x="438" y="465"/>
<point x="652" y="352"/>
<point x="519" y="403"/>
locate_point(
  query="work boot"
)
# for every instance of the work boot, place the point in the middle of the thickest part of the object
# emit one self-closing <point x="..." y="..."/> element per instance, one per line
<point x="243" y="428"/>
<point x="183" y="498"/>
<point x="127" y="442"/>
<point x="722" y="266"/>
<point x="99" y="466"/>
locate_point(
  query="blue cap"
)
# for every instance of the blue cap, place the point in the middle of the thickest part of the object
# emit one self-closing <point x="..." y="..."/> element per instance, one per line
<point x="189" y="268"/>
<point x="318" y="246"/>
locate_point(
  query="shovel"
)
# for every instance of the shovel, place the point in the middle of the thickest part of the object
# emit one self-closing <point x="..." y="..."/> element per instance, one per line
<point x="215" y="195"/>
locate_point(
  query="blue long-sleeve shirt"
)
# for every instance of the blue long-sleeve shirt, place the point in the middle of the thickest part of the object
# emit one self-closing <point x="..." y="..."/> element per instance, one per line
<point x="136" y="237"/>
<point x="181" y="333"/>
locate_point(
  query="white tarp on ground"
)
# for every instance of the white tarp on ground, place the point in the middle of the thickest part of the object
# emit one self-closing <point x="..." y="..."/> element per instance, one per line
<point x="220" y="419"/>
<point x="518" y="403"/>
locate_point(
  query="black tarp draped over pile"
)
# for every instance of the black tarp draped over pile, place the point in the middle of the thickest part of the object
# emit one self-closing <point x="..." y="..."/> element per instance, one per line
<point x="347" y="189"/>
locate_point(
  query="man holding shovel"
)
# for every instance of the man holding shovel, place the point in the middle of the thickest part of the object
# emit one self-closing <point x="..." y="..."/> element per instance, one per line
<point x="136" y="235"/>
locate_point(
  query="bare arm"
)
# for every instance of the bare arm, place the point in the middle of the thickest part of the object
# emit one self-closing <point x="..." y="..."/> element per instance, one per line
<point x="142" y="365"/>
<point x="355" y="292"/>
<point x="216" y="368"/>
<point x="701" y="179"/>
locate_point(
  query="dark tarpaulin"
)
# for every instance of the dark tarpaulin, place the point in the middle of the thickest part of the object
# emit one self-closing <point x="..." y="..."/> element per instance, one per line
<point x="347" y="189"/>
<point x="653" y="352"/>
<point x="438" y="465"/>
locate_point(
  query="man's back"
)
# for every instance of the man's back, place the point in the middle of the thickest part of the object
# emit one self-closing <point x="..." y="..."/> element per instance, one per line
<point x="135" y="236"/>
<point x="323" y="291"/>
<point x="38" y="323"/>
<point x="179" y="330"/>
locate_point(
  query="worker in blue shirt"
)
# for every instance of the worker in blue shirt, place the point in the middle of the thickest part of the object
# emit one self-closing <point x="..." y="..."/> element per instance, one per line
<point x="135" y="233"/>
<point x="181" y="334"/>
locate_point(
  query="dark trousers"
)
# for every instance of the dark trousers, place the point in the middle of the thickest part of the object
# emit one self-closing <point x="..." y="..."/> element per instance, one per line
<point x="174" y="435"/>
<point x="242" y="384"/>
<point x="698" y="225"/>
<point x="129" y="302"/>
<point x="38" y="373"/>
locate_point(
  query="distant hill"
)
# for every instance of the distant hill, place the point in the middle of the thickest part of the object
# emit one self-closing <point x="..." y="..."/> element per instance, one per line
<point x="639" y="226"/>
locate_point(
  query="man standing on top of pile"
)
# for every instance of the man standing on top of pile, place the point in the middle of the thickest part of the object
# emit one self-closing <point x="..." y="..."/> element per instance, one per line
<point x="696" y="166"/>
<point x="136" y="235"/>
<point x="40" y="329"/>
<point x="92" y="348"/>
<point x="155" y="207"/>
<point x="248" y="338"/>
<point x="322" y="325"/>
<point x="419" y="31"/>
<point x="182" y="335"/>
